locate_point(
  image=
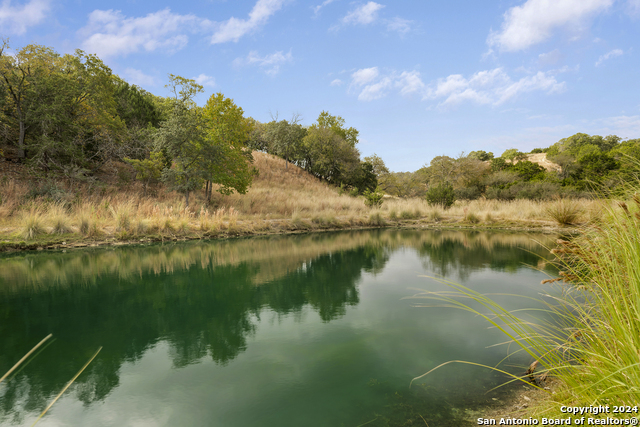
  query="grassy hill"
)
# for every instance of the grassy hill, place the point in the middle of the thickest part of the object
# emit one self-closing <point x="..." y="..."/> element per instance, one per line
<point x="283" y="198"/>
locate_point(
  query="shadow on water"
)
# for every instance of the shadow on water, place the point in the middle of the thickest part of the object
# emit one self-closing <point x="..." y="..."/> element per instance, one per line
<point x="205" y="300"/>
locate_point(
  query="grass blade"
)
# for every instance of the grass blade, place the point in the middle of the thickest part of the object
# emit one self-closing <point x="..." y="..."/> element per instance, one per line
<point x="25" y="357"/>
<point x="66" y="387"/>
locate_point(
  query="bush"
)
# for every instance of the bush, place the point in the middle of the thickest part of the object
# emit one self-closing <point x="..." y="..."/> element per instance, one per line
<point x="51" y="193"/>
<point x="468" y="193"/>
<point x="373" y="199"/>
<point x="442" y="195"/>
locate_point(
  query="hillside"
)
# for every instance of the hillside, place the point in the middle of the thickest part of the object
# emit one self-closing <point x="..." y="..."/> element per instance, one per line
<point x="541" y="159"/>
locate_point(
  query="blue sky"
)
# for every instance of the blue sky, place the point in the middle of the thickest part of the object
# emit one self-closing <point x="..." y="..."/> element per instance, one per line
<point x="417" y="78"/>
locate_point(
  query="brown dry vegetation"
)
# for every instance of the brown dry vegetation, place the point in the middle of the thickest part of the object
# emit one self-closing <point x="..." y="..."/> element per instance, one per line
<point x="280" y="200"/>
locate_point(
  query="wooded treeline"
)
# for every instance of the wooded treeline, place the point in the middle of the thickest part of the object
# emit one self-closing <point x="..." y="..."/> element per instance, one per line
<point x="69" y="115"/>
<point x="584" y="163"/>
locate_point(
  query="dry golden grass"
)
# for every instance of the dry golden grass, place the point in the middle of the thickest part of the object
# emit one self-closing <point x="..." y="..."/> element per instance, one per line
<point x="288" y="199"/>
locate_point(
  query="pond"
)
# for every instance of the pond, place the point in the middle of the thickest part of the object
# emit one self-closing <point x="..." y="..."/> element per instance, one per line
<point x="313" y="330"/>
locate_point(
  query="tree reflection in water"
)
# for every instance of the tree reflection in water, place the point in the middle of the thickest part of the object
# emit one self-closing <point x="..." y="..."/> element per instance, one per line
<point x="201" y="298"/>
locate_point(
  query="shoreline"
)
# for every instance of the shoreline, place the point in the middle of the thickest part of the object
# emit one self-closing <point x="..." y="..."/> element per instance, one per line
<point x="246" y="229"/>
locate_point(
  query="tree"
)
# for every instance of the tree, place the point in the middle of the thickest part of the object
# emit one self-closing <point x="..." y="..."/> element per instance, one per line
<point x="481" y="155"/>
<point x="328" y="150"/>
<point x="442" y="195"/>
<point x="528" y="170"/>
<point x="513" y="154"/>
<point x="182" y="136"/>
<point x="379" y="168"/>
<point x="363" y="178"/>
<point x="148" y="170"/>
<point x="328" y="155"/>
<point x="284" y="138"/>
<point x="61" y="107"/>
<point x="227" y="161"/>
<point x="336" y="124"/>
<point x="443" y="170"/>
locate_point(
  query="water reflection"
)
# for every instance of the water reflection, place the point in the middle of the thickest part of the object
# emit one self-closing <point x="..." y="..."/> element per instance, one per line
<point x="204" y="299"/>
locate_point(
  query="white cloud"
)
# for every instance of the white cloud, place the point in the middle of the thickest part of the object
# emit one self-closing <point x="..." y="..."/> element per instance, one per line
<point x="609" y="55"/>
<point x="205" y="80"/>
<point x="363" y="15"/>
<point x="489" y="87"/>
<point x="16" y="19"/>
<point x="139" y="78"/>
<point x="364" y="76"/>
<point x="336" y="82"/>
<point x="375" y="90"/>
<point x="539" y="81"/>
<point x="316" y="9"/>
<point x="370" y="84"/>
<point x="401" y="26"/>
<point x="109" y="32"/>
<point x="536" y="20"/>
<point x="410" y="82"/>
<point x="269" y="63"/>
<point x="234" y="28"/>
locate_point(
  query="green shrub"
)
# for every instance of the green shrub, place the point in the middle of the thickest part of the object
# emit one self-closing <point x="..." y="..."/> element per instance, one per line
<point x="441" y="195"/>
<point x="373" y="199"/>
<point x="468" y="193"/>
<point x="50" y="192"/>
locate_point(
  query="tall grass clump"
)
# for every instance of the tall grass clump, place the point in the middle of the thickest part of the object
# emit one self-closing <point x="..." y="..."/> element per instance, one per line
<point x="564" y="212"/>
<point x="58" y="219"/>
<point x="32" y="225"/>
<point x="122" y="216"/>
<point x="588" y="338"/>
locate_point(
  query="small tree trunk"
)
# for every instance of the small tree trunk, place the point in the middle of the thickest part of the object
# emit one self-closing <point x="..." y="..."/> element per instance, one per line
<point x="186" y="198"/>
<point x="21" y="150"/>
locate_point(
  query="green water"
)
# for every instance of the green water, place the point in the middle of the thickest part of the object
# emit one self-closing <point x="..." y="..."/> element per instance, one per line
<point x="311" y="330"/>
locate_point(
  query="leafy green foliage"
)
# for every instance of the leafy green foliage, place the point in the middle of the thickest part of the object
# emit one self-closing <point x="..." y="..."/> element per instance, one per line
<point x="528" y="170"/>
<point x="226" y="161"/>
<point x="148" y="170"/>
<point x="513" y="154"/>
<point x="373" y="199"/>
<point x="284" y="139"/>
<point x="442" y="195"/>
<point x="61" y="107"/>
<point x="481" y="155"/>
